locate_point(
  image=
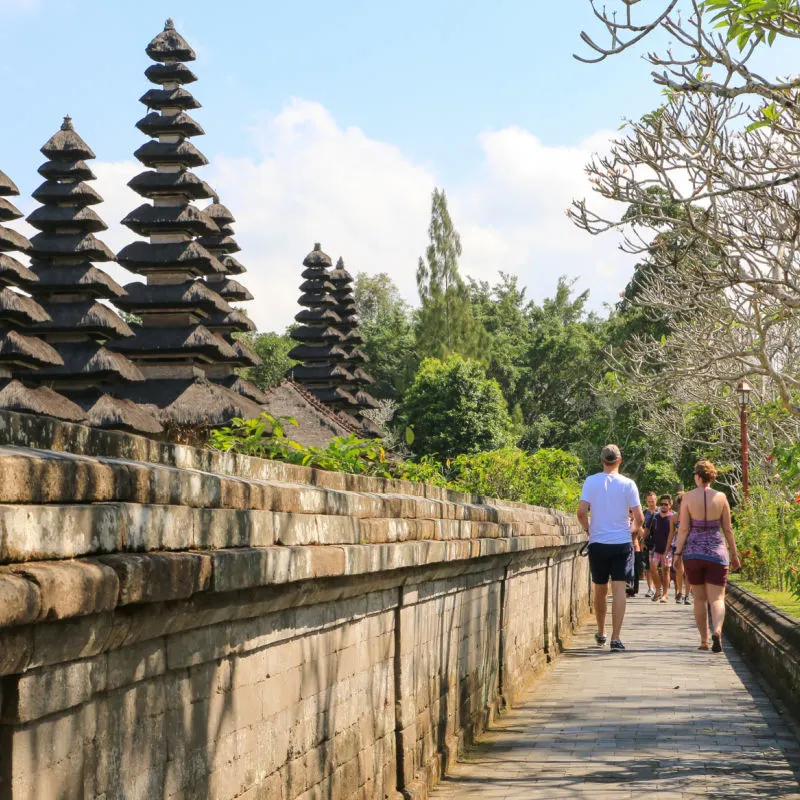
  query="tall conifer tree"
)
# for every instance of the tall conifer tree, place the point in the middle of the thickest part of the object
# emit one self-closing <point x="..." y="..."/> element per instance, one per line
<point x="446" y="324"/>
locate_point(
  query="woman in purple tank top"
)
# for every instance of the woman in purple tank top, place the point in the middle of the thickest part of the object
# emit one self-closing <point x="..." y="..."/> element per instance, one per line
<point x="707" y="548"/>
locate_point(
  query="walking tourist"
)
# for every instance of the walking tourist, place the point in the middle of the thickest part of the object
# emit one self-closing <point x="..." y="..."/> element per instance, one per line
<point x="661" y="526"/>
<point x="682" y="587"/>
<point x="651" y="509"/>
<point x="705" y="530"/>
<point x="632" y="572"/>
<point x="606" y="499"/>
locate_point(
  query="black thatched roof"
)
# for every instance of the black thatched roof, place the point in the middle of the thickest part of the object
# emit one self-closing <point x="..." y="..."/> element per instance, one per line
<point x="87" y="316"/>
<point x="239" y="385"/>
<point x="305" y="333"/>
<point x="169" y="45"/>
<point x="219" y="213"/>
<point x="159" y="124"/>
<point x="28" y="352"/>
<point x="234" y="320"/>
<point x="11" y="241"/>
<point x="140" y="298"/>
<point x="196" y="403"/>
<point x="245" y="355"/>
<point x="117" y="414"/>
<point x="317" y="286"/>
<point x="314" y="300"/>
<point x="220" y="244"/>
<point x="317" y="259"/>
<point x="15" y="396"/>
<point x="321" y="315"/>
<point x="80" y="193"/>
<point x="12" y="273"/>
<point x="333" y="396"/>
<point x="73" y="279"/>
<point x="7" y="187"/>
<point x="173" y="72"/>
<point x="148" y="220"/>
<point x="231" y="290"/>
<point x="184" y="154"/>
<point x="8" y="211"/>
<point x="65" y="144"/>
<point x="170" y="344"/>
<point x="184" y="183"/>
<point x="90" y="364"/>
<point x="64" y="169"/>
<point x="232" y="266"/>
<point x="18" y="310"/>
<point x="188" y="257"/>
<point x="168" y="98"/>
<point x="304" y="352"/>
<point x="47" y="245"/>
<point x="51" y="218"/>
<point x="320" y="373"/>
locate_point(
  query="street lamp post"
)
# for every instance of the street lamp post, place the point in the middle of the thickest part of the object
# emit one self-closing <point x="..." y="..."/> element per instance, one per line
<point x="743" y="391"/>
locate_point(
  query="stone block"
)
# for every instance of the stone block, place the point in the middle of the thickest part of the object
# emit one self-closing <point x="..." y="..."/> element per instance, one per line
<point x="298" y="529"/>
<point x="136" y="662"/>
<point x="246" y="567"/>
<point x="153" y="577"/>
<point x="36" y="533"/>
<point x="70" y="639"/>
<point x="20" y="600"/>
<point x="72" y="588"/>
<point x="299" y="499"/>
<point x="45" y="691"/>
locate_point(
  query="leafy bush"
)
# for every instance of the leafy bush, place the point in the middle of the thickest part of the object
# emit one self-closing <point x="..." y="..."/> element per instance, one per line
<point x="660" y="477"/>
<point x="546" y="478"/>
<point x="454" y="408"/>
<point x="767" y="527"/>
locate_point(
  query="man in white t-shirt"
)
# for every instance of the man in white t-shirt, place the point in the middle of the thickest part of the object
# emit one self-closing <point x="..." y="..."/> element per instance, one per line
<point x="606" y="499"/>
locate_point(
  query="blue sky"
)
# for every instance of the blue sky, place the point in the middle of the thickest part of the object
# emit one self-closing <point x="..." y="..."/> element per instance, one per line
<point x="334" y="121"/>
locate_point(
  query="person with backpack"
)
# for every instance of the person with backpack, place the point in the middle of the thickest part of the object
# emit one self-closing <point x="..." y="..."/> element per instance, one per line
<point x="606" y="499"/>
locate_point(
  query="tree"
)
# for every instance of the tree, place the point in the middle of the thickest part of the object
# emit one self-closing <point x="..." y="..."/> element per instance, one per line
<point x="387" y="325"/>
<point x="445" y="323"/>
<point x="721" y="149"/>
<point x="453" y="408"/>
<point x="272" y="349"/>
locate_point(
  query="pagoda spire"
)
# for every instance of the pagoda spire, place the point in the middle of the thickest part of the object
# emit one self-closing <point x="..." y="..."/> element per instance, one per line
<point x="20" y="352"/>
<point x="222" y="245"/>
<point x="172" y="345"/>
<point x="320" y="344"/>
<point x="345" y="309"/>
<point x="68" y="288"/>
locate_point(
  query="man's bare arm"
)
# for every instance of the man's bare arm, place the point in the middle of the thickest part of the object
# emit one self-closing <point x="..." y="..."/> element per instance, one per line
<point x="583" y="515"/>
<point x="638" y="519"/>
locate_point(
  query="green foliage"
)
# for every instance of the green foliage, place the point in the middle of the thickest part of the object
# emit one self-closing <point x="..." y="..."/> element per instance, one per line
<point x="454" y="408"/>
<point x="445" y="323"/>
<point x="548" y="477"/>
<point x="659" y="477"/>
<point x="387" y="326"/>
<point x="265" y="437"/>
<point x="750" y="22"/>
<point x="272" y="349"/>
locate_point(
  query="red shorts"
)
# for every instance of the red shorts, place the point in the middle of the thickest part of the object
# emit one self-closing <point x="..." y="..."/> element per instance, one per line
<point x="699" y="572"/>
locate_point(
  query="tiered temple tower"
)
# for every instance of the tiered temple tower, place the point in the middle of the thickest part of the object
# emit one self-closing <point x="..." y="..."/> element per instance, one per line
<point x="172" y="345"/>
<point x="68" y="288"/>
<point x="222" y="245"/>
<point x="321" y="348"/>
<point x="21" y="352"/>
<point x="347" y="326"/>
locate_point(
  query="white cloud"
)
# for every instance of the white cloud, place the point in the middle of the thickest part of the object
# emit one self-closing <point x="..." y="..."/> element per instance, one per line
<point x="365" y="200"/>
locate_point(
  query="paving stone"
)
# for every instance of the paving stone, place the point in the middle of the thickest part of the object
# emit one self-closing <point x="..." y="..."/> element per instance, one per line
<point x="661" y="720"/>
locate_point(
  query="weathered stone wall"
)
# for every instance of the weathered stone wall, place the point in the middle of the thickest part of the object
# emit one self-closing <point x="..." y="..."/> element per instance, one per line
<point x="769" y="639"/>
<point x="176" y="623"/>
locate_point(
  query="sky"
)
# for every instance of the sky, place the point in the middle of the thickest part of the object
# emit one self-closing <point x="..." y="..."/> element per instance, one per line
<point x="333" y="122"/>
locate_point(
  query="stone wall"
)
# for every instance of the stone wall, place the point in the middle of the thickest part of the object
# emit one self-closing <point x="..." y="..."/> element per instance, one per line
<point x="769" y="639"/>
<point x="178" y="623"/>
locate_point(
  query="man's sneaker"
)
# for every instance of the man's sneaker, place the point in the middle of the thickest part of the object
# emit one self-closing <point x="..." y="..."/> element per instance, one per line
<point x="600" y="638"/>
<point x="650" y="594"/>
<point x="679" y="598"/>
<point x="657" y="596"/>
<point x="617" y="646"/>
<point x="687" y="599"/>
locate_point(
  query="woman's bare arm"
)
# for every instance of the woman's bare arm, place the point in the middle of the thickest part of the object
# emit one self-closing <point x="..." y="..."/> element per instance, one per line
<point x="683" y="528"/>
<point x="727" y="530"/>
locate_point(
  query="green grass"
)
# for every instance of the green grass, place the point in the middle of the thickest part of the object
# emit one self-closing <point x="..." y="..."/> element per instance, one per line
<point x="782" y="600"/>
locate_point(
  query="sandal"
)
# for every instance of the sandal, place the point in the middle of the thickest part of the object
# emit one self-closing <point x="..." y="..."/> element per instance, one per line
<point x="716" y="647"/>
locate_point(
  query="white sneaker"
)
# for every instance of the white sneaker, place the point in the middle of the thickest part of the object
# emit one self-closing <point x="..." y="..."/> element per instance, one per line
<point x="650" y="593"/>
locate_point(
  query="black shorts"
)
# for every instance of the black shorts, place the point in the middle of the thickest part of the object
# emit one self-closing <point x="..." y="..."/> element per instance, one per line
<point x="608" y="561"/>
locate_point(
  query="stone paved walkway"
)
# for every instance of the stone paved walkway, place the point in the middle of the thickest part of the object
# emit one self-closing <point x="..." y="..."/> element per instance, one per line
<point x="661" y="720"/>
